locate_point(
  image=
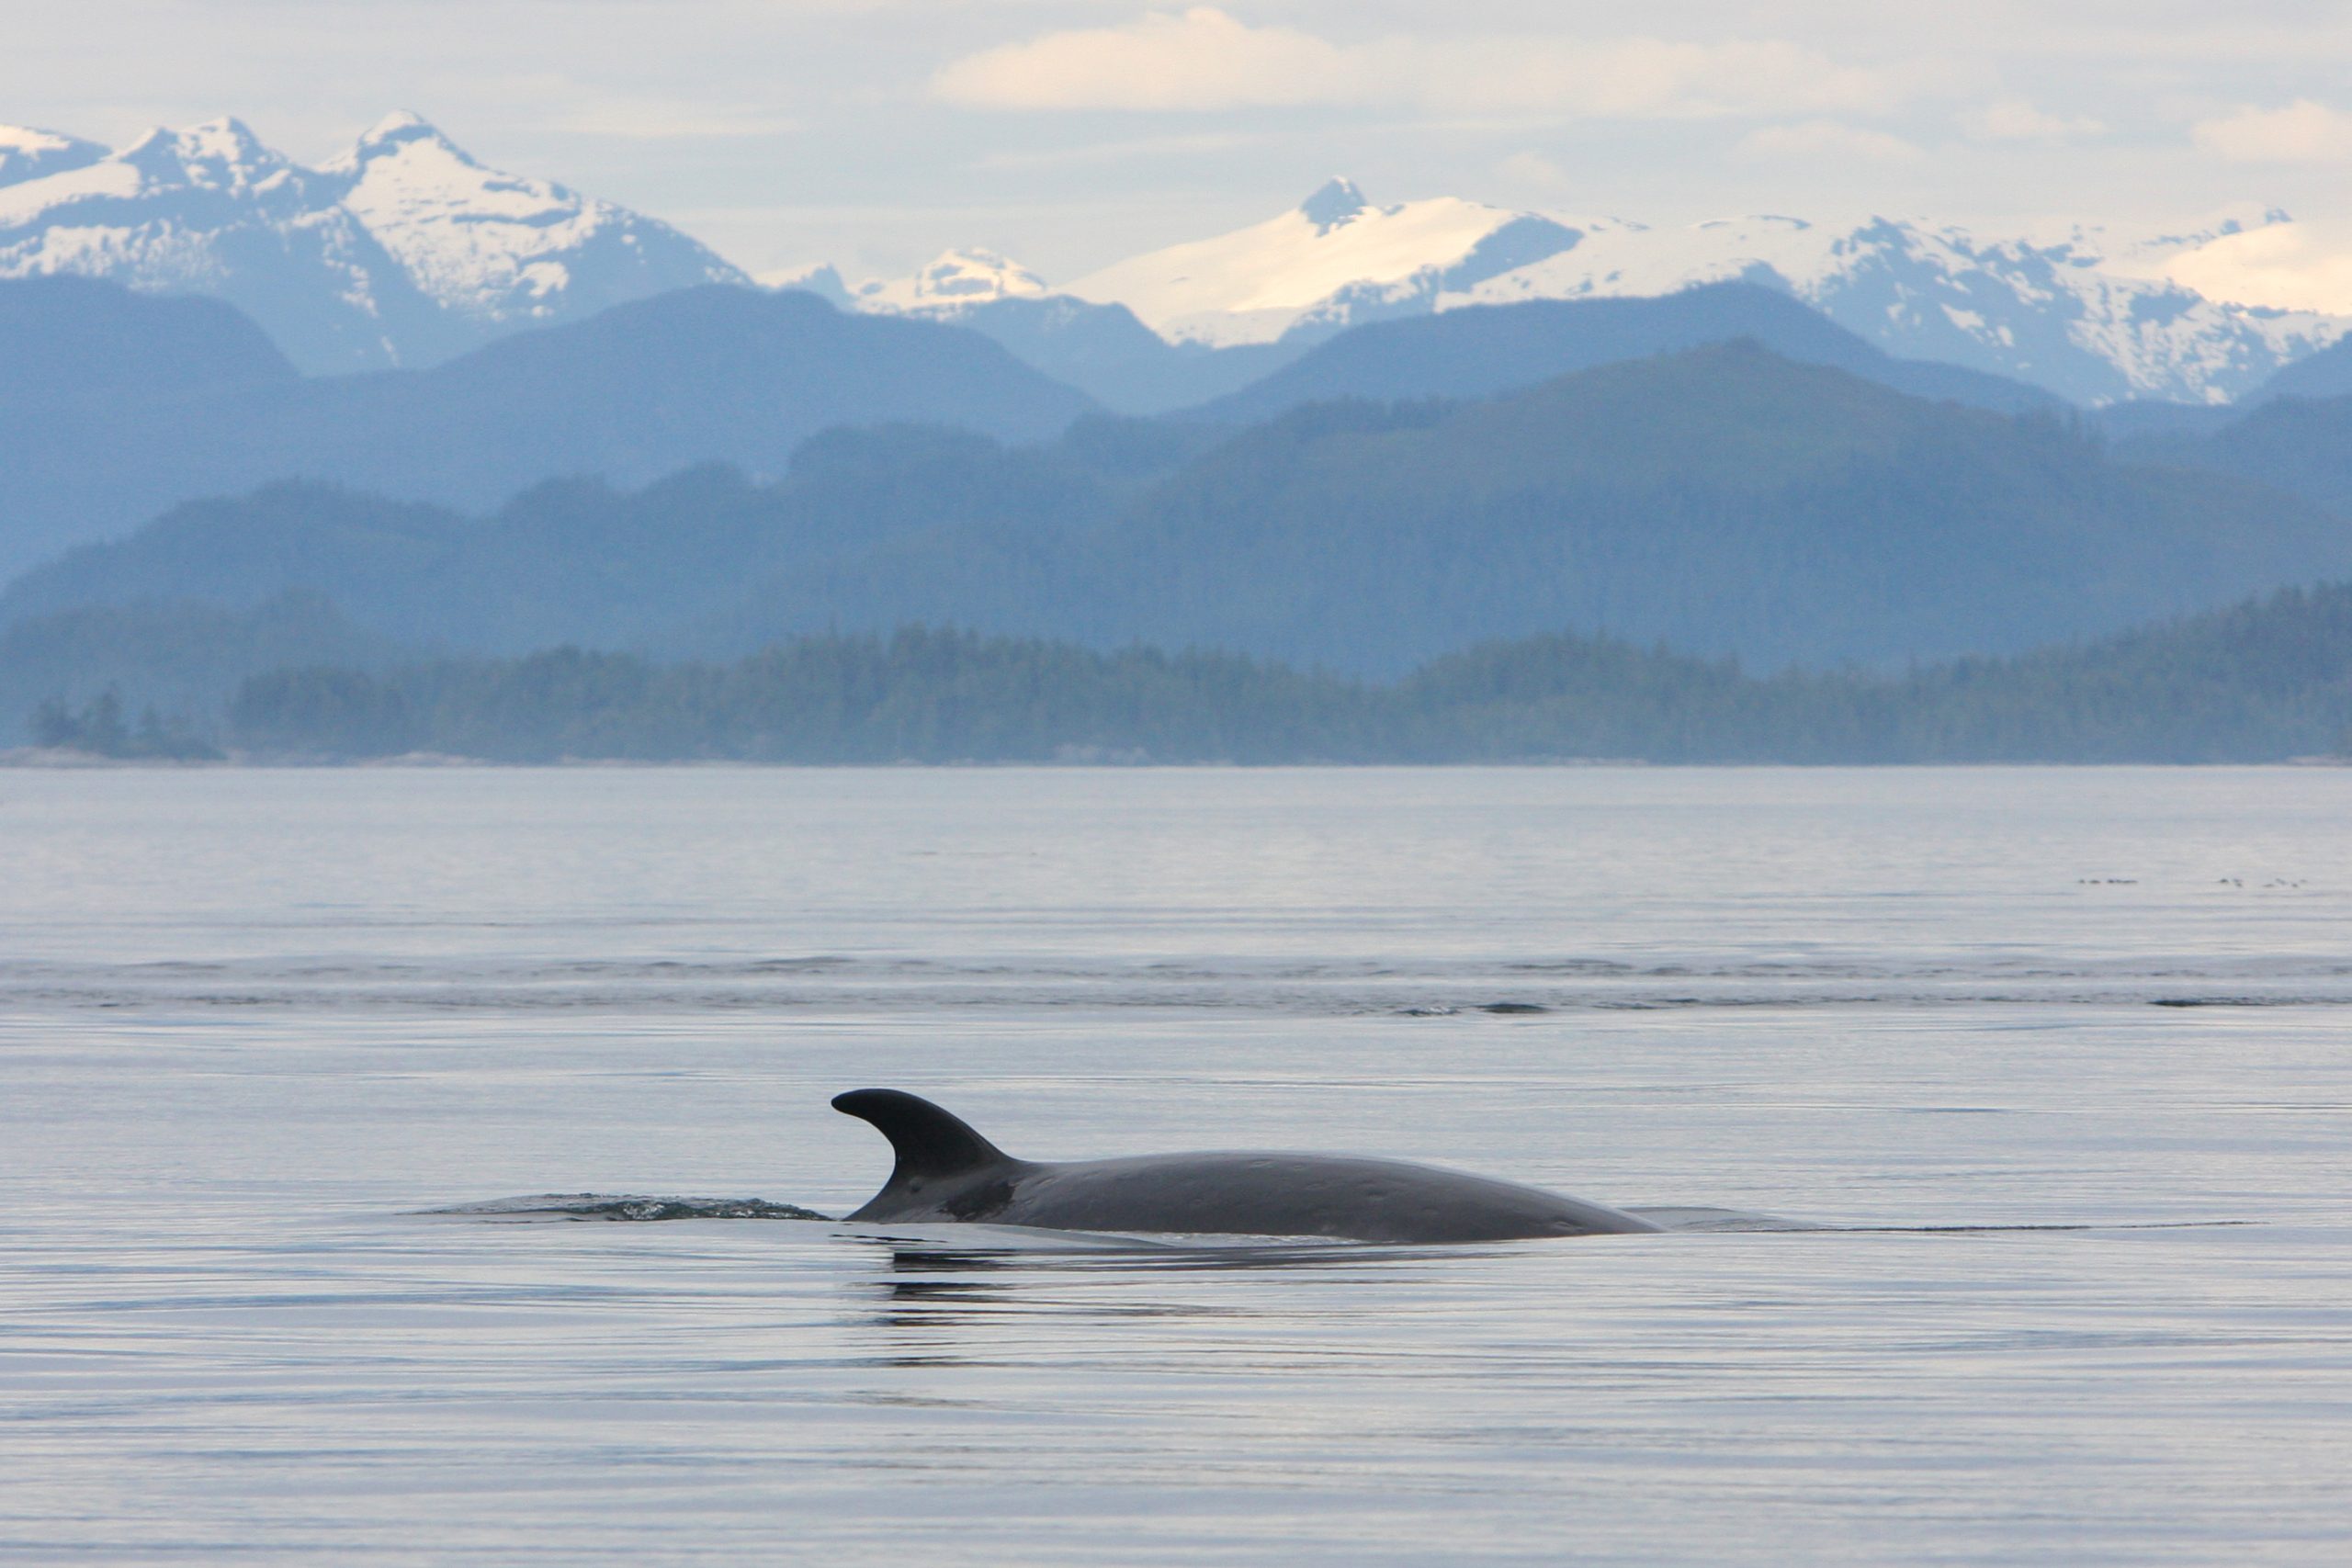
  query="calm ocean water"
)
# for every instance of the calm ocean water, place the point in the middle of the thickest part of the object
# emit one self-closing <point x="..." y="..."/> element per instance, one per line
<point x="2059" y="1062"/>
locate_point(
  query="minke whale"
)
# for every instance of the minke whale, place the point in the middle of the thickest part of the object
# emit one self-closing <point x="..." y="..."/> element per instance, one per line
<point x="945" y="1171"/>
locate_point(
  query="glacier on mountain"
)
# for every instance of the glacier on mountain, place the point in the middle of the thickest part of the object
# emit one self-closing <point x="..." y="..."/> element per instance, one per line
<point x="2094" y="317"/>
<point x="403" y="251"/>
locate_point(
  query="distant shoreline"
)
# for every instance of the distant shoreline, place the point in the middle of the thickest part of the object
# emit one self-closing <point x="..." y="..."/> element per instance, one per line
<point x="39" y="759"/>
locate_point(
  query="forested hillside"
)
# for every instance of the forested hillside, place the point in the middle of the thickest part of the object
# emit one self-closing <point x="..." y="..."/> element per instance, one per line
<point x="2297" y="444"/>
<point x="179" y="657"/>
<point x="1725" y="501"/>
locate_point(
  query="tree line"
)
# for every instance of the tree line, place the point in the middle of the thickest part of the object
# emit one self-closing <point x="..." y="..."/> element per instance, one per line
<point x="2266" y="681"/>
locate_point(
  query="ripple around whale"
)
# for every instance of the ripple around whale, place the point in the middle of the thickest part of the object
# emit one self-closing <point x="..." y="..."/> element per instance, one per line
<point x="622" y="1206"/>
<point x="953" y="1238"/>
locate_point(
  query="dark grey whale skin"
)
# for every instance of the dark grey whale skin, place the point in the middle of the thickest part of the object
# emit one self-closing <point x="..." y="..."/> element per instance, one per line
<point x="945" y="1171"/>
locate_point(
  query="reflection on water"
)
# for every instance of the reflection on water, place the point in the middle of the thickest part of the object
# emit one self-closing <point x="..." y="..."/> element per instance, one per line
<point x="1975" y="1255"/>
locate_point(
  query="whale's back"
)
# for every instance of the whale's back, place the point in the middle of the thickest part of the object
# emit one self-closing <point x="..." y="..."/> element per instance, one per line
<point x="1270" y="1193"/>
<point x="945" y="1171"/>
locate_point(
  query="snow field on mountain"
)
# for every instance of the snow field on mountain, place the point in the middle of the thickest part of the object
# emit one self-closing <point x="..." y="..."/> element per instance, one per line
<point x="404" y="250"/>
<point x="2095" y="320"/>
<point x="490" y="245"/>
<point x="1252" y="285"/>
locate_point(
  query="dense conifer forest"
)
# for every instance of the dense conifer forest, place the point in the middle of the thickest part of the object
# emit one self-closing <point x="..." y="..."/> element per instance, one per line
<point x="2266" y="680"/>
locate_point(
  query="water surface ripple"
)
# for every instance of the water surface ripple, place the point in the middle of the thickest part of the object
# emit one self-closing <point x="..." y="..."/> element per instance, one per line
<point x="2002" y="1119"/>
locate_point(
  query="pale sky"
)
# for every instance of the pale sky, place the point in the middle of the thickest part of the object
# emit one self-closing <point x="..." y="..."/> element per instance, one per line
<point x="1068" y="133"/>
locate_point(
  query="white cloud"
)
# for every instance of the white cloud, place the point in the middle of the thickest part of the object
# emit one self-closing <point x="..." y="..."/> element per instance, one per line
<point x="1201" y="59"/>
<point x="2281" y="264"/>
<point x="1825" y="138"/>
<point x="2014" y="119"/>
<point x="1205" y="60"/>
<point x="2304" y="132"/>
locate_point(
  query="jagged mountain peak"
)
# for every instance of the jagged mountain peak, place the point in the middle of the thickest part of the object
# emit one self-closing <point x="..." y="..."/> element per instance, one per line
<point x="406" y="249"/>
<point x="399" y="122"/>
<point x="2087" y="316"/>
<point x="1333" y="203"/>
<point x="501" y="247"/>
<point x="405" y="159"/>
<point x="224" y="135"/>
<point x="387" y="137"/>
<point x="221" y="154"/>
<point x="224" y="139"/>
<point x="2093" y="316"/>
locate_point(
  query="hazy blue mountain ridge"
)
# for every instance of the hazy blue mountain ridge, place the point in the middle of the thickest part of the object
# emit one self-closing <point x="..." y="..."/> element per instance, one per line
<point x="1107" y="354"/>
<point x="671" y="566"/>
<point x="1481" y="351"/>
<point x="2302" y="445"/>
<point x="1723" y="501"/>
<point x="2325" y="374"/>
<point x="70" y="340"/>
<point x="712" y="374"/>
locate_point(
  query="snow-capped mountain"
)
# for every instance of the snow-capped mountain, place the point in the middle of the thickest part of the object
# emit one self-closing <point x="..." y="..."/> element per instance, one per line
<point x="2095" y="323"/>
<point x="403" y="251"/>
<point x="1102" y="350"/>
<point x="2089" y="316"/>
<point x="1331" y="261"/>
<point x="502" y="250"/>
<point x="210" y="211"/>
<point x="1196" y="322"/>
<point x="954" y="283"/>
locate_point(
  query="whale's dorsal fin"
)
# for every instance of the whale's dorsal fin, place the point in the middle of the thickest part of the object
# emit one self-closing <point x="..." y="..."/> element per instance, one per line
<point x="929" y="1143"/>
